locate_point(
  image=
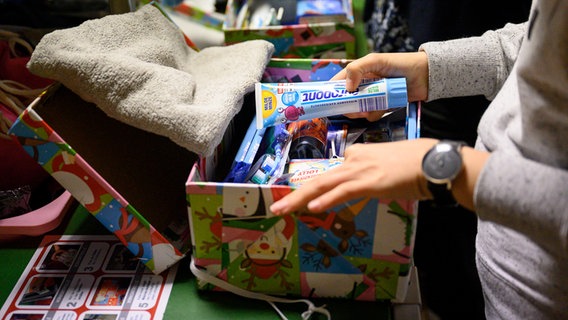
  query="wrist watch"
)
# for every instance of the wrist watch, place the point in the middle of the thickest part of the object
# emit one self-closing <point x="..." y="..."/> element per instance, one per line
<point x="440" y="166"/>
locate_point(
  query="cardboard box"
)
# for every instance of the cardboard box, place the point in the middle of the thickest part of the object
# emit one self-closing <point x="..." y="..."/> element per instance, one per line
<point x="131" y="180"/>
<point x="334" y="39"/>
<point x="360" y="250"/>
<point x="302" y="70"/>
<point x="213" y="20"/>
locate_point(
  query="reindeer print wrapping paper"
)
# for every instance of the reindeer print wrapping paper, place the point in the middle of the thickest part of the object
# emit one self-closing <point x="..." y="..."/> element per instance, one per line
<point x="361" y="250"/>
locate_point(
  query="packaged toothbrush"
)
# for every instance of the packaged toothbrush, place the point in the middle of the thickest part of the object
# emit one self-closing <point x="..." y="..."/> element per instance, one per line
<point x="273" y="158"/>
<point x="278" y="103"/>
<point x="246" y="154"/>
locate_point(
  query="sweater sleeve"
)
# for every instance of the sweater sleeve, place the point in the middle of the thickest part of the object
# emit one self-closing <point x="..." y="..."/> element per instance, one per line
<point x="474" y="65"/>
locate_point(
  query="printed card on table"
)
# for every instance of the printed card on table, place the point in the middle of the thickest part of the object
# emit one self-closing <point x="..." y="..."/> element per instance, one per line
<point x="87" y="277"/>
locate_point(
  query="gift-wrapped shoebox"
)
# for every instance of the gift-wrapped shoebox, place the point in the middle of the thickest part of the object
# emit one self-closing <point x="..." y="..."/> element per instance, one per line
<point x="327" y="32"/>
<point x="208" y="18"/>
<point x="130" y="180"/>
<point x="302" y="70"/>
<point x="359" y="250"/>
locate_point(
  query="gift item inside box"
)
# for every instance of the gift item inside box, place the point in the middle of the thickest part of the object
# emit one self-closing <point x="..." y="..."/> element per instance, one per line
<point x="304" y="145"/>
<point x="305" y="36"/>
<point x="146" y="169"/>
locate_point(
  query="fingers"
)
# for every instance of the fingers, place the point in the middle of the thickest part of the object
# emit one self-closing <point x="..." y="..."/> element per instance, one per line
<point x="322" y="193"/>
<point x="350" y="83"/>
<point x="353" y="77"/>
<point x="340" y="75"/>
<point x="373" y="65"/>
<point x="411" y="65"/>
<point x="300" y="199"/>
<point x="340" y="193"/>
<point x="351" y="74"/>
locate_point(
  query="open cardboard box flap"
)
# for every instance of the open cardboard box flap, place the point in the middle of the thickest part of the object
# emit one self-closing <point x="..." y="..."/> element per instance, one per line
<point x="142" y="171"/>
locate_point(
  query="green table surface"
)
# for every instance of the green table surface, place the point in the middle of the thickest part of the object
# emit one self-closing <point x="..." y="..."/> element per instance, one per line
<point x="185" y="301"/>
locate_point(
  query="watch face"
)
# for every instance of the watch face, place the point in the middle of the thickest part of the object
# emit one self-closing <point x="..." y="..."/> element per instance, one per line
<point x="442" y="163"/>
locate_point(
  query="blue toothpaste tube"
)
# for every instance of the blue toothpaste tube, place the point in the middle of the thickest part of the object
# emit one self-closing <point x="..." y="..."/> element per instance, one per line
<point x="278" y="103"/>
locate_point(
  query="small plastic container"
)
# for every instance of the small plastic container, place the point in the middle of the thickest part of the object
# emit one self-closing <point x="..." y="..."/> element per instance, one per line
<point x="309" y="138"/>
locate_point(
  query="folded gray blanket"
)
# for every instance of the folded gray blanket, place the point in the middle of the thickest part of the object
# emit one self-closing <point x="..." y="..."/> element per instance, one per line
<point x="138" y="69"/>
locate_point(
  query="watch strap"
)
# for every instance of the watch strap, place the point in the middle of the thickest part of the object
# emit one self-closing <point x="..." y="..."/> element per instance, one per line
<point x="442" y="195"/>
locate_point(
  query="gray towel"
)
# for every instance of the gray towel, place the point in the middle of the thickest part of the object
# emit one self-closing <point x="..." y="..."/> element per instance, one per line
<point x="137" y="68"/>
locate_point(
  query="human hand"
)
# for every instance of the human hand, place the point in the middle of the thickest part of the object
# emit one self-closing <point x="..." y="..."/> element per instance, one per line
<point x="411" y="65"/>
<point x="383" y="170"/>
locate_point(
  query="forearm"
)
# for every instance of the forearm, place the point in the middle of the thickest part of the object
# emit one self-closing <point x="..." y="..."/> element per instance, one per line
<point x="472" y="66"/>
<point x="464" y="185"/>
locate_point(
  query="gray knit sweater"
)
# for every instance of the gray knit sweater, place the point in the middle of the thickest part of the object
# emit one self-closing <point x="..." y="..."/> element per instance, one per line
<point x="522" y="194"/>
